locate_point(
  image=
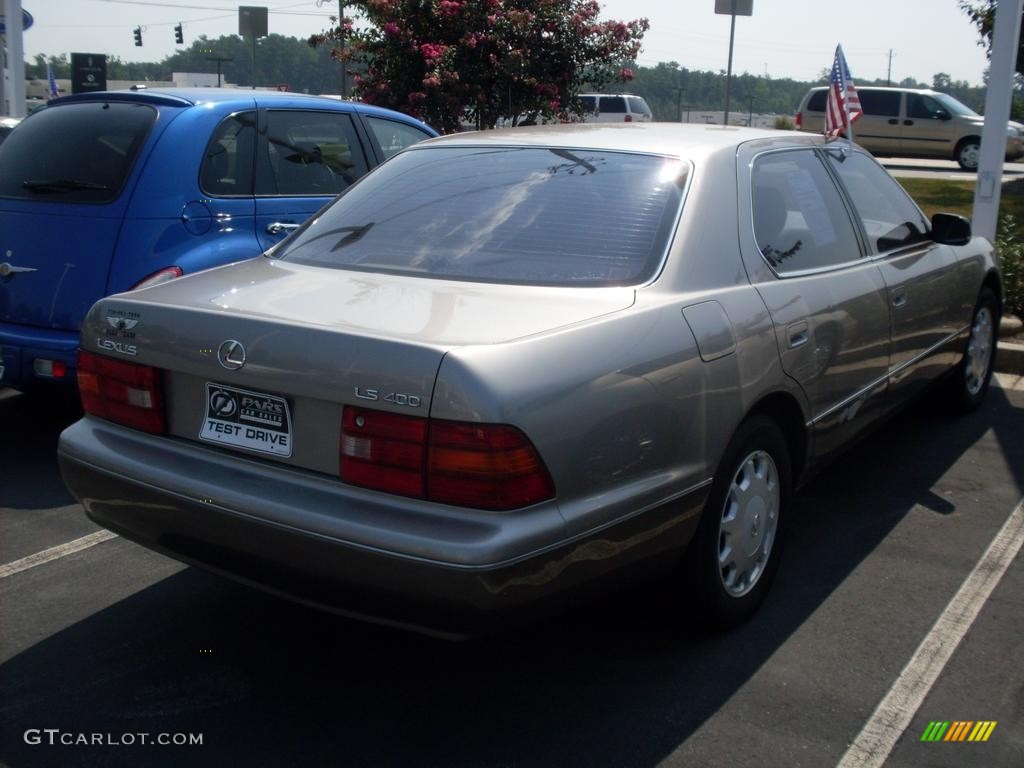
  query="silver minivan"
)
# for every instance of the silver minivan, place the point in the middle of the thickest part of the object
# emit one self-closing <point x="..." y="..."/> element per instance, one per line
<point x="913" y="123"/>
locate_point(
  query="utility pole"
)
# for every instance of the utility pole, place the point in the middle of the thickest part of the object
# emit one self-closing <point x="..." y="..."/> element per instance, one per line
<point x="888" y="75"/>
<point x="219" y="61"/>
<point x="732" y="8"/>
<point x="341" y="29"/>
<point x="679" y="103"/>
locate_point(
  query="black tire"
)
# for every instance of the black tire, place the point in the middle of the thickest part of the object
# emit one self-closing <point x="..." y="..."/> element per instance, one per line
<point x="724" y="604"/>
<point x="972" y="376"/>
<point x="966" y="153"/>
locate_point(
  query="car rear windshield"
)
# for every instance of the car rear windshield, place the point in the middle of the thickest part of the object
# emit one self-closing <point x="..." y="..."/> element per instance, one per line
<point x="74" y="153"/>
<point x="509" y="215"/>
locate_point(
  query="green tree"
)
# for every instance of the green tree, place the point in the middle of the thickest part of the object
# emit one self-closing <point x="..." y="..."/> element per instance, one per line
<point x="982" y="14"/>
<point x="449" y="61"/>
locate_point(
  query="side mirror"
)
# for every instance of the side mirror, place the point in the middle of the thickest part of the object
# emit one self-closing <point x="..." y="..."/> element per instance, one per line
<point x="950" y="229"/>
<point x="943" y="115"/>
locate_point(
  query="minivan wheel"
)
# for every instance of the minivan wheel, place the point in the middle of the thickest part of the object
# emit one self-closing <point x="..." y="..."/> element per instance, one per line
<point x="739" y="540"/>
<point x="974" y="373"/>
<point x="967" y="153"/>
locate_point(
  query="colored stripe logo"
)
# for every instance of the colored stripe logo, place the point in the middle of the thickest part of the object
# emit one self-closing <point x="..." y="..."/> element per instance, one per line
<point x="958" y="730"/>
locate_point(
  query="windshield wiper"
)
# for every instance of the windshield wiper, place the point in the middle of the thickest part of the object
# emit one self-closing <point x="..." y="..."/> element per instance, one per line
<point x="63" y="185"/>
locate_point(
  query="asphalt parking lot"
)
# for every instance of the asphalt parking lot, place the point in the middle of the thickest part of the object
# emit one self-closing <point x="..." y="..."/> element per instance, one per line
<point x="117" y="641"/>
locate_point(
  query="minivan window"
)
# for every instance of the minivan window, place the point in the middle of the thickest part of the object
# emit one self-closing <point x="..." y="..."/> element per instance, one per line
<point x="883" y="103"/>
<point x="638" y="106"/>
<point x="891" y="219"/>
<point x="589" y="104"/>
<point x="504" y="215"/>
<point x="921" y="107"/>
<point x="800" y="221"/>
<point x="393" y="136"/>
<point x="615" y="104"/>
<point x="75" y="153"/>
<point x="954" y="106"/>
<point x="817" y="101"/>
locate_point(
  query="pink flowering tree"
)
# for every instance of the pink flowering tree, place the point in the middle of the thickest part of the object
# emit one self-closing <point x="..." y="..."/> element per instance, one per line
<point x="454" y="61"/>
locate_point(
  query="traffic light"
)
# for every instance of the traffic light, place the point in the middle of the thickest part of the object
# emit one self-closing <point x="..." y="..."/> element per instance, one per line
<point x="179" y="38"/>
<point x="138" y="35"/>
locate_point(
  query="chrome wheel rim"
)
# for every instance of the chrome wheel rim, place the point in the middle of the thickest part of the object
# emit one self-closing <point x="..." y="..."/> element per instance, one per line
<point x="969" y="155"/>
<point x="749" y="522"/>
<point x="979" y="351"/>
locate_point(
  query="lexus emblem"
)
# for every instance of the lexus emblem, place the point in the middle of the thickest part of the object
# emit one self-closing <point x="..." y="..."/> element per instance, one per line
<point x="231" y="355"/>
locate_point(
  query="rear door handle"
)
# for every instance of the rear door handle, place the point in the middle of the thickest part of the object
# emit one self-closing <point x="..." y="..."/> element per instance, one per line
<point x="899" y="298"/>
<point x="893" y="121"/>
<point x="277" y="227"/>
<point x="797" y="333"/>
<point x="908" y="122"/>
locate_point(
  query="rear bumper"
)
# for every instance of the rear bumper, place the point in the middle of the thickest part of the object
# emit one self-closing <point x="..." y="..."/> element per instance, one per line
<point x="21" y="346"/>
<point x="310" y="538"/>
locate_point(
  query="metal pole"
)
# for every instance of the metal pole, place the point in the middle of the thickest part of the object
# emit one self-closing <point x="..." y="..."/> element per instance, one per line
<point x="3" y="64"/>
<point x="1005" y="40"/>
<point x="728" y="75"/>
<point x="254" y="61"/>
<point x="15" y="57"/>
<point x="341" y="30"/>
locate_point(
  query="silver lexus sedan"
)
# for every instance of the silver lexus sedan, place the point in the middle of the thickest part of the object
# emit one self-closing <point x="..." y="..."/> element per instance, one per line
<point x="507" y="366"/>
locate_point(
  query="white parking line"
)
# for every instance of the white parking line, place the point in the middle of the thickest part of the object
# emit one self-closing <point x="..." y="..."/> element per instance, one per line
<point x="53" y="553"/>
<point x="892" y="716"/>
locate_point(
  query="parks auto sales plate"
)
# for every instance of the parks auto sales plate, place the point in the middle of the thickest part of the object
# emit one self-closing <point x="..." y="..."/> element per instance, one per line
<point x="244" y="419"/>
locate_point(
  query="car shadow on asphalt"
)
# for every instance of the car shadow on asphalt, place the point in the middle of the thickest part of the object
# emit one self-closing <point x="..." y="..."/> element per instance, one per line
<point x="620" y="682"/>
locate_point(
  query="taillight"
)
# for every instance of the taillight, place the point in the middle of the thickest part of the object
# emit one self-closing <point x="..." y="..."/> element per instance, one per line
<point x="126" y="393"/>
<point x="799" y="120"/>
<point x="627" y="119"/>
<point x="163" y="276"/>
<point x="484" y="466"/>
<point x="383" y="451"/>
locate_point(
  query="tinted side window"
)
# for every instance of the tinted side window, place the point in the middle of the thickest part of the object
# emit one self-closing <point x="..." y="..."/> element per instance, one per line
<point x="924" y="107"/>
<point x="800" y="221"/>
<point x="74" y="153"/>
<point x="817" y="101"/>
<point x="883" y="103"/>
<point x="310" y="154"/>
<point x="227" y="163"/>
<point x="394" y="136"/>
<point x="613" y="104"/>
<point x="638" y="106"/>
<point x="890" y="217"/>
<point x="589" y="104"/>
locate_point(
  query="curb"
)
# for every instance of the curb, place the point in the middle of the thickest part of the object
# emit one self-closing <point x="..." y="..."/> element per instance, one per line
<point x="1010" y="358"/>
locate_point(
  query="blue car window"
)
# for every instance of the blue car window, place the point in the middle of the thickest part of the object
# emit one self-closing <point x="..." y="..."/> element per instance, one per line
<point x="394" y="136"/>
<point x="227" y="169"/>
<point x="74" y="153"/>
<point x="310" y="154"/>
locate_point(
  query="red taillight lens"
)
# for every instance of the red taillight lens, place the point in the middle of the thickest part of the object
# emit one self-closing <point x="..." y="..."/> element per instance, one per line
<point x="383" y="451"/>
<point x="162" y="276"/>
<point x="122" y="392"/>
<point x="627" y="119"/>
<point x="799" y="120"/>
<point x="485" y="466"/>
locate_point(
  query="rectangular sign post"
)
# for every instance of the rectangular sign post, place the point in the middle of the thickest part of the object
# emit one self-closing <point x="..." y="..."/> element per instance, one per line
<point x="732" y="8"/>
<point x="88" y="72"/>
<point x="252" y="22"/>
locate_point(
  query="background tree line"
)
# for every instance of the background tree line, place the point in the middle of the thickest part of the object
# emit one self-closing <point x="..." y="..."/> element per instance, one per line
<point x="668" y="87"/>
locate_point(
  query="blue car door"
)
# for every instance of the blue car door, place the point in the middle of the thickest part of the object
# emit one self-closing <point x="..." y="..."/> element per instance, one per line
<point x="304" y="159"/>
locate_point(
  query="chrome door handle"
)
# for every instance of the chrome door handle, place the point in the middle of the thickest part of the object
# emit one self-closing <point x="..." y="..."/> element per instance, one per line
<point x="899" y="300"/>
<point x="277" y="227"/>
<point x="797" y="333"/>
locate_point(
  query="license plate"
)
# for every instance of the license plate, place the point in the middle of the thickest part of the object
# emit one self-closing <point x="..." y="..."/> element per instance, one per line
<point x="243" y="419"/>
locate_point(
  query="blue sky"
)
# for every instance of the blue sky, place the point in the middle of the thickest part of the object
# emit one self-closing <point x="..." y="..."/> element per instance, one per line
<point x="785" y="38"/>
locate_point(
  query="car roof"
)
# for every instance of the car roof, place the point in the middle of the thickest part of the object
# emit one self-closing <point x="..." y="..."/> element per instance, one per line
<point x="672" y="139"/>
<point x="242" y="97"/>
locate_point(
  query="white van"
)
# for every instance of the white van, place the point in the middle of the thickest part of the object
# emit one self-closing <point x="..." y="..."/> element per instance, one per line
<point x="615" y="108"/>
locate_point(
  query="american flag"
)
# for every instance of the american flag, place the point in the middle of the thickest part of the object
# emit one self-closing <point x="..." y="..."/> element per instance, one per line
<point x="52" y="87"/>
<point x="843" y="105"/>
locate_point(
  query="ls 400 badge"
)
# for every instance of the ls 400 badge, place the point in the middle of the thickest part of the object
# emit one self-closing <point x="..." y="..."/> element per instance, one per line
<point x="395" y="398"/>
